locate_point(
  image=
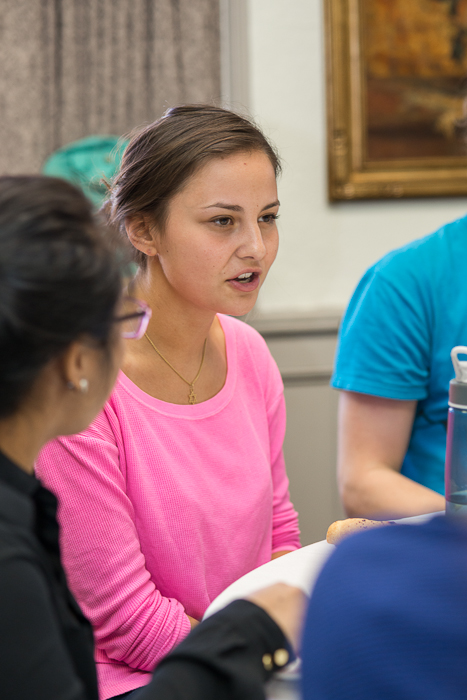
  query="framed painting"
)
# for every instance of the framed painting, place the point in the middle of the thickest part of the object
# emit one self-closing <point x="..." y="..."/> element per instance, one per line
<point x="396" y="93"/>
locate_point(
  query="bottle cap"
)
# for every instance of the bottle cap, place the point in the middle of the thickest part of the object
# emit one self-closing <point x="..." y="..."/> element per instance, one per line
<point x="458" y="386"/>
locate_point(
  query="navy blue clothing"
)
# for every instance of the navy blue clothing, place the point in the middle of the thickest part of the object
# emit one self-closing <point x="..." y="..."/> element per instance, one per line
<point x="388" y="617"/>
<point x="407" y="313"/>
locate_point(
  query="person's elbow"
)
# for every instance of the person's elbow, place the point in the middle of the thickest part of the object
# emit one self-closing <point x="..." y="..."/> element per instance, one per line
<point x="352" y="493"/>
<point x="364" y="489"/>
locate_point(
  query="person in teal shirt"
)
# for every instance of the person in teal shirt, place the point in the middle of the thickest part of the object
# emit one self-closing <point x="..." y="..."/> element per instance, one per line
<point x="393" y="368"/>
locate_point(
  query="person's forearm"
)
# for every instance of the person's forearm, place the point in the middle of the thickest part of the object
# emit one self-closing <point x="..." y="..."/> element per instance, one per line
<point x="382" y="493"/>
<point x="373" y="439"/>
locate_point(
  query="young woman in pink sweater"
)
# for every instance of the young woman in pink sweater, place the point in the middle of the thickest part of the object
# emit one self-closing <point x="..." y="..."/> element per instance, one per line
<point x="179" y="487"/>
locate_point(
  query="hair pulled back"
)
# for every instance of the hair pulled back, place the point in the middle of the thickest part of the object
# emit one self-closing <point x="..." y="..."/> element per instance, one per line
<point x="59" y="279"/>
<point x="161" y="157"/>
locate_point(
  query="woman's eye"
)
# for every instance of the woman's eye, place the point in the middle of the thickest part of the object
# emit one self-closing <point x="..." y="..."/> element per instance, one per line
<point x="269" y="218"/>
<point x="223" y="220"/>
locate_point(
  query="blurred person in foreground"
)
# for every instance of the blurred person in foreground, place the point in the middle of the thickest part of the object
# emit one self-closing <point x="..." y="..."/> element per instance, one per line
<point x="393" y="368"/>
<point x="388" y="616"/>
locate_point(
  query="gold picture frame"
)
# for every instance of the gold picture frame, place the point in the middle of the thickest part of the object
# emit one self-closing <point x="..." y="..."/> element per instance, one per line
<point x="396" y="87"/>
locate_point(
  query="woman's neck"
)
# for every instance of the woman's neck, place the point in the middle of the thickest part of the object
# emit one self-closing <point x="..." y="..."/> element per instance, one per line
<point x="176" y="326"/>
<point x="188" y="344"/>
<point x="21" y="439"/>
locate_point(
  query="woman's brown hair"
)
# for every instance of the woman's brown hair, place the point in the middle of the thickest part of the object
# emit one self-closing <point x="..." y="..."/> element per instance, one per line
<point x="161" y="157"/>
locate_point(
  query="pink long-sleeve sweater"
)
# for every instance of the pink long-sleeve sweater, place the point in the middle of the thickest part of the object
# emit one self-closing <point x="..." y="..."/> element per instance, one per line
<point x="163" y="506"/>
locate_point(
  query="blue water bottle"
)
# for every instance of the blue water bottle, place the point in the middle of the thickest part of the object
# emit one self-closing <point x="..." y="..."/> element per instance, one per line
<point x="455" y="474"/>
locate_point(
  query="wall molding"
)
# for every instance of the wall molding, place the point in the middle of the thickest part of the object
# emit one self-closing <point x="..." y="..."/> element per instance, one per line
<point x="303" y="345"/>
<point x="320" y="322"/>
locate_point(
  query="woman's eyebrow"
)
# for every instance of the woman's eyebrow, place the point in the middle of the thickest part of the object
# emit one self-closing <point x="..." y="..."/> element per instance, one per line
<point x="221" y="205"/>
<point x="237" y="207"/>
<point x="270" y="206"/>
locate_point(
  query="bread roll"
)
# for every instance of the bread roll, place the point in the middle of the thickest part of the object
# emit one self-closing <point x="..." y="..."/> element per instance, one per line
<point x="341" y="529"/>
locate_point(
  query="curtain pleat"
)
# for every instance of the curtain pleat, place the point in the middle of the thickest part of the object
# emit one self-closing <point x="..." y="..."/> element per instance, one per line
<point x="71" y="68"/>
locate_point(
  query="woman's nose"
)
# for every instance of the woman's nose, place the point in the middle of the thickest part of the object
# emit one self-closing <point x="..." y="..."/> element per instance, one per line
<point x="252" y="245"/>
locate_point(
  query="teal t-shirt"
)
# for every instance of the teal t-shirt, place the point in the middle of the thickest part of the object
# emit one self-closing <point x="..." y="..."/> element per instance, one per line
<point x="407" y="313"/>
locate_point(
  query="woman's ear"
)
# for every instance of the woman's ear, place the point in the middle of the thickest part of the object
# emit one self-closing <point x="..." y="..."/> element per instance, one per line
<point x="75" y="366"/>
<point x="141" y="233"/>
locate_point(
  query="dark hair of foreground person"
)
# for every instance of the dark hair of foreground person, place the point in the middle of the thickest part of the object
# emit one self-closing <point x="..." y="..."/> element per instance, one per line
<point x="58" y="279"/>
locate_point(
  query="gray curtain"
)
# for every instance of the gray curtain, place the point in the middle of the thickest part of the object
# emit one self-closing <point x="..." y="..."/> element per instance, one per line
<point x="71" y="68"/>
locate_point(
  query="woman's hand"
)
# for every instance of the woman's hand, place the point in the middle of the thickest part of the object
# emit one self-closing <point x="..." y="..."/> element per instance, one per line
<point x="193" y="622"/>
<point x="276" y="555"/>
<point x="286" y="605"/>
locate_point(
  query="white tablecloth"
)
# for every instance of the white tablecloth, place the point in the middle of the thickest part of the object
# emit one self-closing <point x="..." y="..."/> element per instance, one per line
<point x="299" y="568"/>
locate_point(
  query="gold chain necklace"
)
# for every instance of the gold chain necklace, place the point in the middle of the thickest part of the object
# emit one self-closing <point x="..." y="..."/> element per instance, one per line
<point x="191" y="395"/>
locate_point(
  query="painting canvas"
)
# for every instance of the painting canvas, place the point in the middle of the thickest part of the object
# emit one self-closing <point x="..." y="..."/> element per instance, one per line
<point x="397" y="86"/>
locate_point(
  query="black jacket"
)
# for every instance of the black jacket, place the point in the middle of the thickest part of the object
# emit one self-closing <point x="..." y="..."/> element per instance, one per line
<point x="46" y="643"/>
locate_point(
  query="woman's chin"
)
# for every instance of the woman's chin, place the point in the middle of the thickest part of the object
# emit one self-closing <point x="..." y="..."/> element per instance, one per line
<point x="240" y="307"/>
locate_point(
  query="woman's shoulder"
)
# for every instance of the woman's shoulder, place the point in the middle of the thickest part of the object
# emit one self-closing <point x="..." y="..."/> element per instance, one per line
<point x="95" y="440"/>
<point x="103" y="425"/>
<point x="426" y="257"/>
<point x="253" y="355"/>
<point x="243" y="333"/>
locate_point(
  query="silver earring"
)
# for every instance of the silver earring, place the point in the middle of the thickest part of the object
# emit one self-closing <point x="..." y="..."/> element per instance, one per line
<point x="70" y="386"/>
<point x="83" y="385"/>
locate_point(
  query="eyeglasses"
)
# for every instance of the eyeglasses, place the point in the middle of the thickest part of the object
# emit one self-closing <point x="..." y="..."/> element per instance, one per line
<point x="134" y="318"/>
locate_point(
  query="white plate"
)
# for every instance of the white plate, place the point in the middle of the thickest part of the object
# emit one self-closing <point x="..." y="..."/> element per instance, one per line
<point x="299" y="568"/>
<point x="418" y="519"/>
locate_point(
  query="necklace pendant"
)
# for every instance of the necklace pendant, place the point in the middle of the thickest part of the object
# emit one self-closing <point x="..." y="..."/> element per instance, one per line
<point x="191" y="396"/>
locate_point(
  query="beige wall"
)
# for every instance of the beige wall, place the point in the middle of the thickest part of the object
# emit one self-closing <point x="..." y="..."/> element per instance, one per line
<point x="279" y="75"/>
<point x="324" y="249"/>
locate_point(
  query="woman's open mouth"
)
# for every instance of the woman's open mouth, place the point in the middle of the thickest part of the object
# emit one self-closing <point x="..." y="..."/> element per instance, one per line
<point x="246" y="282"/>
